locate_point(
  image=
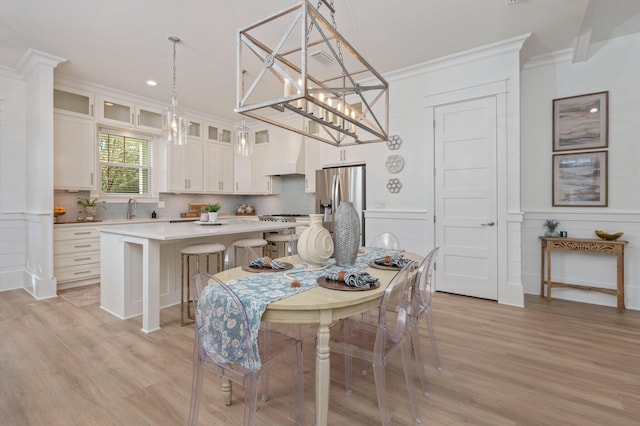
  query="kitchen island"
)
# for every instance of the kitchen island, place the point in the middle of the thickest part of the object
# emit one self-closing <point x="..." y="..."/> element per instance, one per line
<point x="140" y="263"/>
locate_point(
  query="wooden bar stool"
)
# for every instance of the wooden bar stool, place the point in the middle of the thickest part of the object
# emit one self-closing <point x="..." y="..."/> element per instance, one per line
<point x="248" y="248"/>
<point x="287" y="242"/>
<point x="196" y="251"/>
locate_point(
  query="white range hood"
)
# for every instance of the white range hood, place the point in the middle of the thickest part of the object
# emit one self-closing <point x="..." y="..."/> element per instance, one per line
<point x="286" y="159"/>
<point x="286" y="153"/>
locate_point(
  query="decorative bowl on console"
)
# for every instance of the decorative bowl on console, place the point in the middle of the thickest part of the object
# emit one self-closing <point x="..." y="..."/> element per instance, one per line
<point x="609" y="237"/>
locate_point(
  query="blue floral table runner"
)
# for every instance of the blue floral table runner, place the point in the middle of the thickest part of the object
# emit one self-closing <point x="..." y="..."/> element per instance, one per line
<point x="256" y="291"/>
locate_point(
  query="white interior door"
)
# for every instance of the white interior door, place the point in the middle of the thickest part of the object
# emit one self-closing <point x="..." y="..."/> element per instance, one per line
<point x="465" y="198"/>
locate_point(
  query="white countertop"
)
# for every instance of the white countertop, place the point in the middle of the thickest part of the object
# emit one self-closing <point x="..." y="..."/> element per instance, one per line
<point x="175" y="231"/>
<point x="137" y="220"/>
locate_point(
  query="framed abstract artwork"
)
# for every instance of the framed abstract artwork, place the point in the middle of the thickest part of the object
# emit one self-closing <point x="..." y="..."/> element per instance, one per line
<point x="580" y="179"/>
<point x="581" y="122"/>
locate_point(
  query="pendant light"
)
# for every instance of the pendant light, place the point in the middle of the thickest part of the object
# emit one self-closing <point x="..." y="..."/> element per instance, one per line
<point x="243" y="141"/>
<point x="175" y="126"/>
<point x="303" y="76"/>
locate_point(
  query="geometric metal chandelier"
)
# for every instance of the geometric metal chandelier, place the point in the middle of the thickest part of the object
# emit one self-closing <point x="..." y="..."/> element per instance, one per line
<point x="296" y="71"/>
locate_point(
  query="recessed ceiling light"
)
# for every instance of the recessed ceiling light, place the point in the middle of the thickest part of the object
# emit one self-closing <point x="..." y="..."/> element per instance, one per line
<point x="152" y="83"/>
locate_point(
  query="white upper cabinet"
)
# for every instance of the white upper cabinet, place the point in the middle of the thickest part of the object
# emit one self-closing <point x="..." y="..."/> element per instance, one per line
<point x="74" y="152"/>
<point x="73" y="102"/>
<point x="218" y="171"/>
<point x="242" y="171"/>
<point x="339" y="156"/>
<point x="186" y="167"/>
<point x="123" y="113"/>
<point x="250" y="174"/>
<point x="261" y="182"/>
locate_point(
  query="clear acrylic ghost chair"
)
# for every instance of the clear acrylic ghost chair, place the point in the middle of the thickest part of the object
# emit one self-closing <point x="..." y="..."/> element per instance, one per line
<point x="210" y="353"/>
<point x="421" y="308"/>
<point x="386" y="240"/>
<point x="241" y="252"/>
<point x="383" y="240"/>
<point x="377" y="343"/>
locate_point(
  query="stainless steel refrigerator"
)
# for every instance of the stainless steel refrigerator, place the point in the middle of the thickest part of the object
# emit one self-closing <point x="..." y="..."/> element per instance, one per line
<point x="338" y="184"/>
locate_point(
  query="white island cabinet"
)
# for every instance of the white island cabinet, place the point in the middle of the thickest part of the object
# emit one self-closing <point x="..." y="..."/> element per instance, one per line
<point x="140" y="263"/>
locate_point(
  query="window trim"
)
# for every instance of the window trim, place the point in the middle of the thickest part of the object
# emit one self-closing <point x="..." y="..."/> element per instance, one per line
<point x="118" y="197"/>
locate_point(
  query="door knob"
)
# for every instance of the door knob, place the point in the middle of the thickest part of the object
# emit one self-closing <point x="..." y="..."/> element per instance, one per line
<point x="488" y="224"/>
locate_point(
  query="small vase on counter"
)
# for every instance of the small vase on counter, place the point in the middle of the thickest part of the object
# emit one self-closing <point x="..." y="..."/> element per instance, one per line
<point x="315" y="245"/>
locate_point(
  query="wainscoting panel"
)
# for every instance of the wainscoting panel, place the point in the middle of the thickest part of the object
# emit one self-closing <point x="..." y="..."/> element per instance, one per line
<point x="414" y="229"/>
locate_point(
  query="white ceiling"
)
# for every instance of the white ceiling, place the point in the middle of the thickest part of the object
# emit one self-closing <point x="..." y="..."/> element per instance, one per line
<point x="123" y="43"/>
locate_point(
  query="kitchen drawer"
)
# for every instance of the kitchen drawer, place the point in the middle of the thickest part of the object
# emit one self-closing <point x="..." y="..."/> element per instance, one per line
<point x="84" y="258"/>
<point x="76" y="246"/>
<point x="75" y="273"/>
<point x="62" y="232"/>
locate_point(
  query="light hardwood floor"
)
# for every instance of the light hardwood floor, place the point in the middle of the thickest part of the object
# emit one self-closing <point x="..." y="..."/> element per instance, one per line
<point x="562" y="363"/>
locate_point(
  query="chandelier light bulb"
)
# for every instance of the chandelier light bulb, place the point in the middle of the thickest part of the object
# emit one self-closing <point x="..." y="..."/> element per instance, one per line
<point x="243" y="144"/>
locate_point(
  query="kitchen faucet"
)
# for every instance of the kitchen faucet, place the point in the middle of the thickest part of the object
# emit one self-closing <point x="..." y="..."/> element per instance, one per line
<point x="130" y="214"/>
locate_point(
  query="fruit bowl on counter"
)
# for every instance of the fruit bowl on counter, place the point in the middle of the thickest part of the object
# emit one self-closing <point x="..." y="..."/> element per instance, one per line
<point x="57" y="212"/>
<point x="609" y="237"/>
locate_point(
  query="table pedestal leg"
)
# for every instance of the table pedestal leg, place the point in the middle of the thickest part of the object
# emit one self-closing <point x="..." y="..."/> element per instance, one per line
<point x="322" y="370"/>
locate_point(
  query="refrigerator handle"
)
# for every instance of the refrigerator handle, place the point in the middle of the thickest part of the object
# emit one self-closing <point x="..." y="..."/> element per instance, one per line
<point x="335" y="193"/>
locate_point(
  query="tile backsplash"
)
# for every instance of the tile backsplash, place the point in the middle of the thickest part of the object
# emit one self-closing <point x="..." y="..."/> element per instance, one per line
<point x="292" y="200"/>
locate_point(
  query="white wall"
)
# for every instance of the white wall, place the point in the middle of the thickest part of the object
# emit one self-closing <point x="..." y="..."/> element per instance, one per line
<point x="414" y="92"/>
<point x="612" y="66"/>
<point x="26" y="181"/>
<point x="12" y="180"/>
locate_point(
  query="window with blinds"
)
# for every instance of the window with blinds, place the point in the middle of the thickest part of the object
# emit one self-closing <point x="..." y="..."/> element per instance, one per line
<point x="124" y="163"/>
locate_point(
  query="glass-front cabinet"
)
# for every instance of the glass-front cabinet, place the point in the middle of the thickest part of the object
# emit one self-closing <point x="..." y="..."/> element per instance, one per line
<point x="149" y="119"/>
<point x="218" y="171"/>
<point x="127" y="114"/>
<point x="73" y="103"/>
<point x="195" y="129"/>
<point x="74" y="140"/>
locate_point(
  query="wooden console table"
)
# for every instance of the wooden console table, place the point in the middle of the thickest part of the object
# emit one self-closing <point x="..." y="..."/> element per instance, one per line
<point x="587" y="245"/>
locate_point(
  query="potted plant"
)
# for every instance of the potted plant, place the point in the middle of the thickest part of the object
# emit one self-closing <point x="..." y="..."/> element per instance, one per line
<point x="90" y="206"/>
<point x="204" y="214"/>
<point x="551" y="225"/>
<point x="213" y="210"/>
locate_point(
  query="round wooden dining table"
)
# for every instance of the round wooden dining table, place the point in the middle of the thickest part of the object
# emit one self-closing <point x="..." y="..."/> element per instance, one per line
<point x="321" y="306"/>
